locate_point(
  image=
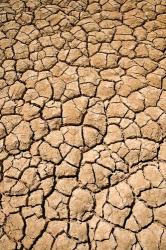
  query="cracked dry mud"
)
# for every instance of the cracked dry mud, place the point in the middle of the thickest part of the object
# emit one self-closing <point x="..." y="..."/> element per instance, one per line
<point x="83" y="124"/>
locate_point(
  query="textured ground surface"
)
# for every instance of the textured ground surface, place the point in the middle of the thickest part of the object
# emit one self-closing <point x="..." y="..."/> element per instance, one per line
<point x="83" y="124"/>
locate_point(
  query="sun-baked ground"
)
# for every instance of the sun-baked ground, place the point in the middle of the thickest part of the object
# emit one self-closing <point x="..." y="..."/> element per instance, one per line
<point x="83" y="124"/>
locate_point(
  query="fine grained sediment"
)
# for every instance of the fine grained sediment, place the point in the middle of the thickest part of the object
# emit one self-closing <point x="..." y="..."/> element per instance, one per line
<point x="83" y="124"/>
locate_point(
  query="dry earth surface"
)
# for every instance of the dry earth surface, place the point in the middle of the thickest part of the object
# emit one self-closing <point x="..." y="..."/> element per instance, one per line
<point x="83" y="124"/>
